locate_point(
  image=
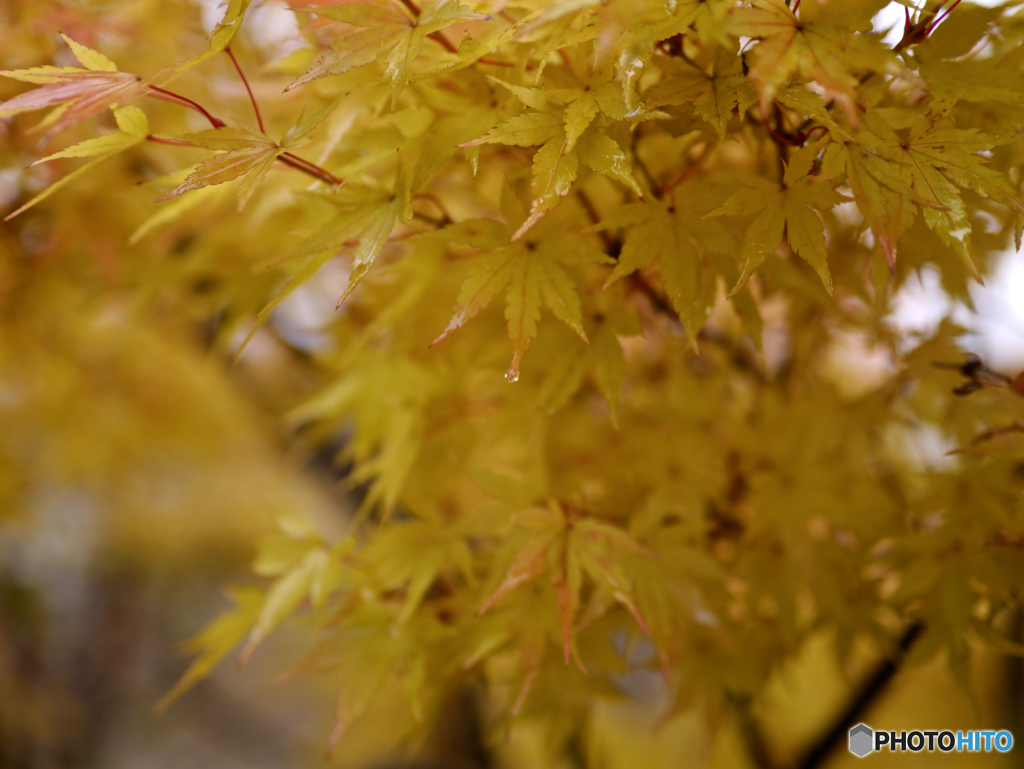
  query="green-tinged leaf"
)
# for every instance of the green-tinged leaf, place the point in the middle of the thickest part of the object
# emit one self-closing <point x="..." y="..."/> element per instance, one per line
<point x="109" y="146"/>
<point x="216" y="641"/>
<point x="388" y="33"/>
<point x="715" y="97"/>
<point x="530" y="129"/>
<point x="88" y="58"/>
<point x="554" y="171"/>
<point x="284" y="597"/>
<point x="532" y="273"/>
<point x="132" y="120"/>
<point x="300" y="131"/>
<point x="228" y="27"/>
<point x="600" y="153"/>
<point x="248" y="158"/>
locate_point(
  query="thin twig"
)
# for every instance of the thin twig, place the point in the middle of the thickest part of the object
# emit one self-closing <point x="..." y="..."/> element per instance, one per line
<point x="245" y="82"/>
<point x="940" y="19"/>
<point x="655" y="189"/>
<point x="160" y="93"/>
<point x="286" y="157"/>
<point x="437" y="37"/>
<point x="312" y="169"/>
<point x="447" y="219"/>
<point x="289" y="159"/>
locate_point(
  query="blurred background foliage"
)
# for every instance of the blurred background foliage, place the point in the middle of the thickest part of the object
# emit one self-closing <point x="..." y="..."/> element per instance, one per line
<point x="138" y="470"/>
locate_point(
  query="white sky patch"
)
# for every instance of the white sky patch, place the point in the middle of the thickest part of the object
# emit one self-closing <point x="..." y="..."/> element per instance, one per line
<point x="273" y="28"/>
<point x="920" y="305"/>
<point x="303" y="317"/>
<point x="995" y="327"/>
<point x="893" y="17"/>
<point x="270" y="25"/>
<point x="213" y="12"/>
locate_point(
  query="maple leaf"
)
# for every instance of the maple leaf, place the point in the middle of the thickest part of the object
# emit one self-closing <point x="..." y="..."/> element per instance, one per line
<point x="223" y="34"/>
<point x="568" y="546"/>
<point x="623" y="31"/>
<point x="714" y="93"/>
<point x="893" y="177"/>
<point x="245" y="154"/>
<point x="603" y="358"/>
<point x="387" y="31"/>
<point x="787" y="210"/>
<point x="216" y="641"/>
<point x="412" y="555"/>
<point x="832" y="55"/>
<point x="229" y="25"/>
<point x="564" y="126"/>
<point x="934" y="160"/>
<point x="635" y="25"/>
<point x="674" y="232"/>
<point x="134" y="130"/>
<point x="366" y="220"/>
<point x="368" y="224"/>
<point x="79" y="92"/>
<point x="530" y="272"/>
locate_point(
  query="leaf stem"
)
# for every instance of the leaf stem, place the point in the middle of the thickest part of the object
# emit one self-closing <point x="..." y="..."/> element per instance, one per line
<point x="289" y="159"/>
<point x="160" y="93"/>
<point x="655" y="188"/>
<point x="308" y="167"/>
<point x="447" y="219"/>
<point x="245" y="82"/>
<point x="437" y="37"/>
<point x="940" y="19"/>
<point x="299" y="164"/>
<point x="172" y="142"/>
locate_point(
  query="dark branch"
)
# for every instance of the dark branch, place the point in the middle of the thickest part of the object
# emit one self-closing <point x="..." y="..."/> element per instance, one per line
<point x="867" y="696"/>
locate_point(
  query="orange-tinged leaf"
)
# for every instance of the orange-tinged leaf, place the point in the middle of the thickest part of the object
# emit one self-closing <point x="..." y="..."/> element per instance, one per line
<point x="387" y="32"/>
<point x="832" y="55"/>
<point x="529" y="564"/>
<point x="248" y="157"/>
<point x="84" y="92"/>
<point x="534" y="650"/>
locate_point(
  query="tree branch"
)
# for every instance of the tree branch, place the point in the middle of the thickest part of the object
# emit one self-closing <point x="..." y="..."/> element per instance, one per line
<point x="865" y="698"/>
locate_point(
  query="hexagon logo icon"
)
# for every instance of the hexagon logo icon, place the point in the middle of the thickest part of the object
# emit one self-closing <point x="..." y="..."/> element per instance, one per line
<point x="862" y="740"/>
